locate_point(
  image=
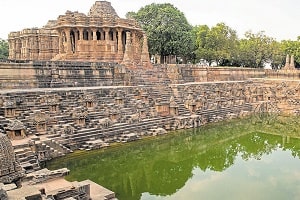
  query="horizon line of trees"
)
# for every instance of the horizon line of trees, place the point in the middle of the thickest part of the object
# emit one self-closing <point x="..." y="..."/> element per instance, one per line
<point x="170" y="34"/>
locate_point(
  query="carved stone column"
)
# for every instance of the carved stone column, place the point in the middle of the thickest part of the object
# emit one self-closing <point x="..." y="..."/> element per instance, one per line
<point x="145" y="53"/>
<point x="60" y="42"/>
<point x="80" y="33"/>
<point x="69" y="47"/>
<point x="91" y="35"/>
<point x="76" y="35"/>
<point x="94" y="31"/>
<point x="120" y="45"/>
<point x="106" y="30"/>
<point x="114" y="35"/>
<point x="101" y="35"/>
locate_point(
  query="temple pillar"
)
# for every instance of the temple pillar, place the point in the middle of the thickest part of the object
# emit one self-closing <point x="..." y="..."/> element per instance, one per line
<point x="114" y="35"/>
<point x="69" y="45"/>
<point x="94" y="31"/>
<point x="145" y="60"/>
<point x="120" y="45"/>
<point x="80" y="33"/>
<point x="91" y="35"/>
<point x="76" y="33"/>
<point x="114" y="38"/>
<point x="128" y="54"/>
<point x="60" y="42"/>
<point x="12" y="49"/>
<point x="101" y="35"/>
<point x="106" y="31"/>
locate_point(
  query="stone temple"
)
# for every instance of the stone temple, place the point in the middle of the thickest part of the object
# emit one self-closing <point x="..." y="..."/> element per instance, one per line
<point x="100" y="36"/>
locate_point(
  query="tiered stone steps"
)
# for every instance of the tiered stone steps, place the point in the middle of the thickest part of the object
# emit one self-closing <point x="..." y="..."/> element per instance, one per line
<point x="27" y="158"/>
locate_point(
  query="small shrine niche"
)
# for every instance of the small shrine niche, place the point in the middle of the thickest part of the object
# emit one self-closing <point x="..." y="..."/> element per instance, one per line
<point x="89" y="104"/>
<point x="143" y="113"/>
<point x="80" y="121"/>
<point x="119" y="100"/>
<point x="53" y="108"/>
<point x="40" y="120"/>
<point x="9" y="112"/>
<point x="193" y="107"/>
<point x="173" y="108"/>
<point x="9" y="109"/>
<point x="79" y="115"/>
<point x="15" y="130"/>
<point x="52" y="101"/>
<point x="88" y="100"/>
<point x="114" y="116"/>
<point x="41" y="126"/>
<point x="162" y="108"/>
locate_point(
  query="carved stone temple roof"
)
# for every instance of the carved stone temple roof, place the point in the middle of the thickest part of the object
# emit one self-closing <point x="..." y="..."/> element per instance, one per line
<point x="15" y="125"/>
<point x="10" y="169"/>
<point x="101" y="14"/>
<point x="102" y="8"/>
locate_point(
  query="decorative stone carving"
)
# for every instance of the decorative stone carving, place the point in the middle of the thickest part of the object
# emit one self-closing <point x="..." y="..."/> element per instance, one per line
<point x="88" y="100"/>
<point x="79" y="115"/>
<point x="41" y="119"/>
<point x="101" y="35"/>
<point x="10" y="169"/>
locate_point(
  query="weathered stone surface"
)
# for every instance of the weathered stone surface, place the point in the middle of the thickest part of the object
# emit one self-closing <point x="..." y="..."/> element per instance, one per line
<point x="99" y="36"/>
<point x="289" y="63"/>
<point x="10" y="169"/>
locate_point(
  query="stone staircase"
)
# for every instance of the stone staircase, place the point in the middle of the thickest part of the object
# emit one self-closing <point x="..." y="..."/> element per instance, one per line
<point x="27" y="158"/>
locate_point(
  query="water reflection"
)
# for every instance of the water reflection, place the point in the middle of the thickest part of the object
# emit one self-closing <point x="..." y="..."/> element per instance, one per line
<point x="190" y="164"/>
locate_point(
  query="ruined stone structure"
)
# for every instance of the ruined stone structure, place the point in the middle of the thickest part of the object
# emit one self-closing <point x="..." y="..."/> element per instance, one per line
<point x="289" y="63"/>
<point x="101" y="35"/>
<point x="10" y="169"/>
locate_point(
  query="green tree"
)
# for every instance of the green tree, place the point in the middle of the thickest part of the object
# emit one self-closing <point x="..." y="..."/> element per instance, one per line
<point x="202" y="52"/>
<point x="292" y="48"/>
<point x="216" y="44"/>
<point x="257" y="49"/>
<point x="168" y="30"/>
<point x="3" y="49"/>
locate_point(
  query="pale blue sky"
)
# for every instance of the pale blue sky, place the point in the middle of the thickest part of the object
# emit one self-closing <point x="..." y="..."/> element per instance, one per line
<point x="278" y="18"/>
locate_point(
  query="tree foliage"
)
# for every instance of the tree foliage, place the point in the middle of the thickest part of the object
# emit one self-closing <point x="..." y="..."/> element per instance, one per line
<point x="169" y="33"/>
<point x="3" y="49"/>
<point x="292" y="48"/>
<point x="168" y="30"/>
<point x="257" y="49"/>
<point x="218" y="43"/>
<point x="221" y="44"/>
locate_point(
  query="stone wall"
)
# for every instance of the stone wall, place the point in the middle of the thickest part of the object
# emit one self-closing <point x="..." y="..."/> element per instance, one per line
<point x="70" y="118"/>
<point x="55" y="74"/>
<point x="62" y="106"/>
<point x="283" y="74"/>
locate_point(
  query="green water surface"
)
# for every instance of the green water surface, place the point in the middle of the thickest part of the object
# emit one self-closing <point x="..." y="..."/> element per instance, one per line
<point x="252" y="158"/>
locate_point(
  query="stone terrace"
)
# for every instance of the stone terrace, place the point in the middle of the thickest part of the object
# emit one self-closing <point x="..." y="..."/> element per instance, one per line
<point x="84" y="105"/>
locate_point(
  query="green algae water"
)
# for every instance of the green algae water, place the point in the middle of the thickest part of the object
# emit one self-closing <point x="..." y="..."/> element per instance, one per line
<point x="253" y="158"/>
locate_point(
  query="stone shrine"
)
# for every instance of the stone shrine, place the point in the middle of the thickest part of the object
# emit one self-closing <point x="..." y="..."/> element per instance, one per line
<point x="100" y="36"/>
<point x="10" y="168"/>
